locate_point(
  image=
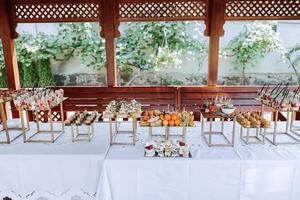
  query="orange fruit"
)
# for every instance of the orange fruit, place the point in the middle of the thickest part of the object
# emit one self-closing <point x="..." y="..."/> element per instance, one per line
<point x="191" y="118"/>
<point x="174" y="116"/>
<point x="177" y="122"/>
<point x="167" y="117"/>
<point x="146" y="113"/>
<point x="146" y="118"/>
<point x="161" y="117"/>
<point x="165" y="122"/>
<point x="171" y="123"/>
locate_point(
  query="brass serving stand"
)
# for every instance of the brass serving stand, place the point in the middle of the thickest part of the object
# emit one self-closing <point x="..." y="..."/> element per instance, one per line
<point x="54" y="134"/>
<point x="167" y="133"/>
<point x="88" y="135"/>
<point x="117" y="122"/>
<point x="6" y="129"/>
<point x="275" y="132"/>
<point x="207" y="135"/>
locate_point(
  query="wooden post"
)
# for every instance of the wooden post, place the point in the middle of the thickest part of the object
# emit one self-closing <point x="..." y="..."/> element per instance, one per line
<point x="8" y="34"/>
<point x="214" y="29"/>
<point x="110" y="23"/>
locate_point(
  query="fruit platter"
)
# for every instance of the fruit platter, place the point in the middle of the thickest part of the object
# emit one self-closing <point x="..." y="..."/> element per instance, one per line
<point x="252" y="120"/>
<point x="82" y="120"/>
<point x="219" y="106"/>
<point x="123" y="109"/>
<point x="158" y="118"/>
<point x="167" y="149"/>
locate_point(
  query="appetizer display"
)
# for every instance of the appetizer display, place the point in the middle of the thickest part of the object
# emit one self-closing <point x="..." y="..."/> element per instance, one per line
<point x="123" y="109"/>
<point x="82" y="118"/>
<point x="280" y="97"/>
<point x="157" y="118"/>
<point x="252" y="120"/>
<point x="220" y="105"/>
<point x="38" y="99"/>
<point x="161" y="148"/>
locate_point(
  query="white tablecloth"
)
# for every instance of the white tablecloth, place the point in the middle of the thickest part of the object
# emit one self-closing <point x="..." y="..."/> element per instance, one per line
<point x="66" y="170"/>
<point x="254" y="172"/>
<point x="63" y="170"/>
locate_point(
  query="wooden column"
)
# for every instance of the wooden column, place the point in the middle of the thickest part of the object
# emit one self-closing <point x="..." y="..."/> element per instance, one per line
<point x="214" y="29"/>
<point x="8" y="34"/>
<point x="110" y="23"/>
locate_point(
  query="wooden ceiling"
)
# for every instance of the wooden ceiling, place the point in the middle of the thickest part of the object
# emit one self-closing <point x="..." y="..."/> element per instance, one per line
<point x="149" y="10"/>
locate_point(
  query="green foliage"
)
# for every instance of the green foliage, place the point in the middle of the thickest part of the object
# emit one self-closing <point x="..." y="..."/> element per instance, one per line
<point x="256" y="41"/>
<point x="3" y="83"/>
<point x="82" y="40"/>
<point x="145" y="46"/>
<point x="293" y="58"/>
<point x="155" y="45"/>
<point x="169" y="81"/>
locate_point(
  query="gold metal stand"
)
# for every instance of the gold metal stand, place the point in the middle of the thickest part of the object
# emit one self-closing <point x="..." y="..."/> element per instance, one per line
<point x="82" y="136"/>
<point x="273" y="139"/>
<point x="259" y="137"/>
<point x="113" y="133"/>
<point x="6" y="130"/>
<point x="167" y="134"/>
<point x="207" y="135"/>
<point x="54" y="134"/>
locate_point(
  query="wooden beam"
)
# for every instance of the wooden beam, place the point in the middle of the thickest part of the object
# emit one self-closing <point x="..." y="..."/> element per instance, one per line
<point x="9" y="51"/>
<point x="214" y="29"/>
<point x="110" y="32"/>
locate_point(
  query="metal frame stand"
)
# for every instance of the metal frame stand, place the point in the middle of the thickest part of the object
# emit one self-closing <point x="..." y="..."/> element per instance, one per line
<point x="113" y="134"/>
<point x="275" y="132"/>
<point x="54" y="134"/>
<point x="207" y="135"/>
<point x="294" y="129"/>
<point x="259" y="137"/>
<point x="78" y="136"/>
<point x="167" y="134"/>
<point x="6" y="130"/>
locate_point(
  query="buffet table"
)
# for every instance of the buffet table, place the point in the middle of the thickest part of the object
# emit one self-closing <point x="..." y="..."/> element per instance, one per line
<point x="62" y="170"/>
<point x="253" y="172"/>
<point x="83" y="170"/>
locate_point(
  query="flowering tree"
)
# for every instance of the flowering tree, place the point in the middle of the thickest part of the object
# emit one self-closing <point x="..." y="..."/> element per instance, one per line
<point x="256" y="41"/>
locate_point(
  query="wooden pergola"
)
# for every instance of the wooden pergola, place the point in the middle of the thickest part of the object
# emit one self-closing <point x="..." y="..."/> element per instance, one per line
<point x="109" y="14"/>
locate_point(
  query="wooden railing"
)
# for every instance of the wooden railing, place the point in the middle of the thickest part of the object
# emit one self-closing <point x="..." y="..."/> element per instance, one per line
<point x="156" y="97"/>
<point x="162" y="98"/>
